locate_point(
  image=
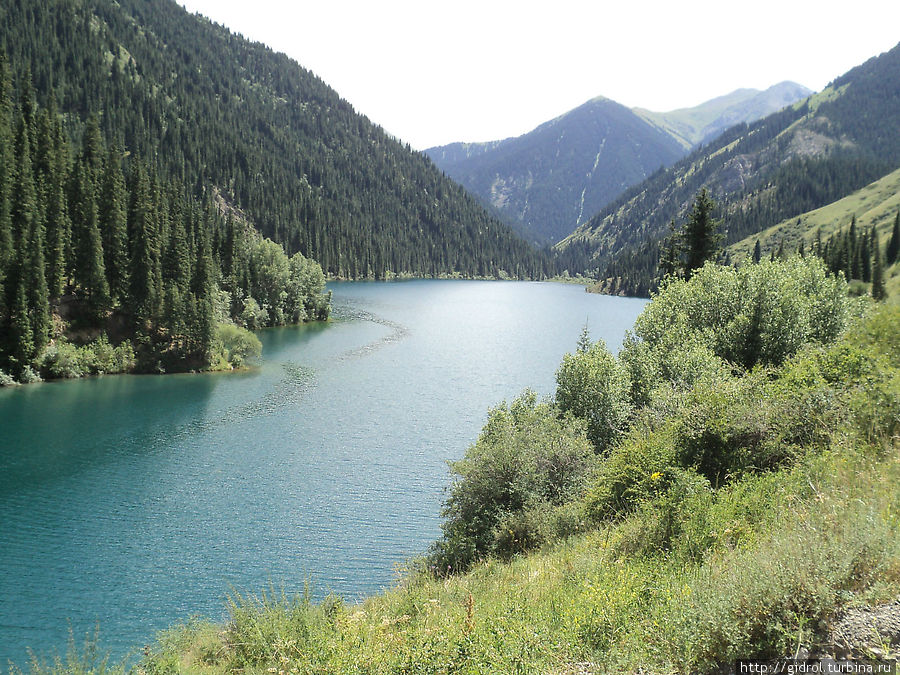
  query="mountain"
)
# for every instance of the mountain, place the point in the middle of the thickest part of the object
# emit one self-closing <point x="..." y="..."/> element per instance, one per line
<point x="548" y="180"/>
<point x="552" y="179"/>
<point x="702" y="123"/>
<point x="790" y="162"/>
<point x="216" y="112"/>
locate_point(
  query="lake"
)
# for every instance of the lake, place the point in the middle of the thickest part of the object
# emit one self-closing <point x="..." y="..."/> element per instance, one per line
<point x="133" y="502"/>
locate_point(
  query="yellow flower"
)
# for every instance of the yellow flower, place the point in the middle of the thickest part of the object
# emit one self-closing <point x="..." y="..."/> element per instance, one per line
<point x="655" y="476"/>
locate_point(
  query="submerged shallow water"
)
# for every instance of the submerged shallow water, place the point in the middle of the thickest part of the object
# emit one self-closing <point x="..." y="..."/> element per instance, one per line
<point x="132" y="502"/>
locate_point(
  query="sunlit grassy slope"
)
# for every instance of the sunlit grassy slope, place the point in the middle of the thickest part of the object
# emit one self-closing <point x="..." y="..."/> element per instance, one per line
<point x="875" y="205"/>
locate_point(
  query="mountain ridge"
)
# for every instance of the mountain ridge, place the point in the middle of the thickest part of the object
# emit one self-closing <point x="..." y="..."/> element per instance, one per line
<point x="550" y="180"/>
<point x="702" y="123"/>
<point x="547" y="180"/>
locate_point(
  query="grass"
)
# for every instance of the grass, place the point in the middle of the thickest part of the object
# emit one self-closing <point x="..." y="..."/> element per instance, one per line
<point x="826" y="533"/>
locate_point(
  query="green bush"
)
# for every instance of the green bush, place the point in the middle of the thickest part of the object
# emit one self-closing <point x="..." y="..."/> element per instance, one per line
<point x="744" y="316"/>
<point x="235" y="344"/>
<point x="526" y="459"/>
<point x="63" y="360"/>
<point x="721" y="429"/>
<point x="595" y="387"/>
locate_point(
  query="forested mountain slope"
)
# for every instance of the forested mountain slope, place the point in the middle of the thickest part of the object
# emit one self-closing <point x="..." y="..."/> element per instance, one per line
<point x="793" y="161"/>
<point x="207" y="107"/>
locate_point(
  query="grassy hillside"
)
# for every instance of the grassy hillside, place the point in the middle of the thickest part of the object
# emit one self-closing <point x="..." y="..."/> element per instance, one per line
<point x="592" y="604"/>
<point x="875" y="205"/>
<point x="743" y="502"/>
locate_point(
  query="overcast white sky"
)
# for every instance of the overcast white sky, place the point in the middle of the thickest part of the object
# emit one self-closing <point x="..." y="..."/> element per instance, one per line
<point x="475" y="70"/>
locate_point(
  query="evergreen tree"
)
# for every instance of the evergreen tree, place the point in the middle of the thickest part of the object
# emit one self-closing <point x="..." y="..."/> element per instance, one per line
<point x="757" y="252"/>
<point x="865" y="256"/>
<point x="669" y="262"/>
<point x="113" y="215"/>
<point x="853" y="252"/>
<point x="21" y="347"/>
<point x="90" y="271"/>
<point x="38" y="297"/>
<point x="893" y="247"/>
<point x="92" y="152"/>
<point x="52" y="167"/>
<point x="142" y="296"/>
<point x="879" y="291"/>
<point x="202" y="287"/>
<point x="6" y="165"/>
<point x="699" y="236"/>
<point x="24" y="201"/>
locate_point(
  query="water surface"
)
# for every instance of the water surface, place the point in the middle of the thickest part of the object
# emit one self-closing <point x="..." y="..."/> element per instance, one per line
<point x="134" y="502"/>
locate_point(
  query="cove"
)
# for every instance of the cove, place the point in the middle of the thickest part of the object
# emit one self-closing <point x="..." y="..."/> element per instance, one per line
<point x="133" y="502"/>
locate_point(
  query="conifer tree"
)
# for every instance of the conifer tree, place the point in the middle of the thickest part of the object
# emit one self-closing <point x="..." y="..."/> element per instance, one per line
<point x="90" y="271"/>
<point x="38" y="297"/>
<point x="113" y="215"/>
<point x="865" y="257"/>
<point x="757" y="252"/>
<point x="21" y="347"/>
<point x="699" y="237"/>
<point x="853" y="252"/>
<point x="6" y="174"/>
<point x="6" y="163"/>
<point x="893" y="247"/>
<point x="669" y="256"/>
<point x="93" y="154"/>
<point x="142" y="297"/>
<point x="203" y="288"/>
<point x="24" y="201"/>
<point x="879" y="291"/>
<point x="51" y="169"/>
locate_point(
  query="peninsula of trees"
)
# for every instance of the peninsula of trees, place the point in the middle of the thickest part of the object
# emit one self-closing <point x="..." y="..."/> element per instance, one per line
<point x="106" y="267"/>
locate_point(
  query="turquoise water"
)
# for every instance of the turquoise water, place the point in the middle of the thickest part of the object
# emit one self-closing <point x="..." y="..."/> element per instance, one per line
<point x="133" y="502"/>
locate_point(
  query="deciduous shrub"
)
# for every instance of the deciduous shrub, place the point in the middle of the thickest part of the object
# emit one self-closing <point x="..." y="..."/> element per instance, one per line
<point x="235" y="344"/>
<point x="754" y="314"/>
<point x="595" y="387"/>
<point x="527" y="459"/>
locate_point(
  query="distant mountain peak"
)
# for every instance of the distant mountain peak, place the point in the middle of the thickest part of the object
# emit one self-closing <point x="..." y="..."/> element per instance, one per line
<point x="701" y="123"/>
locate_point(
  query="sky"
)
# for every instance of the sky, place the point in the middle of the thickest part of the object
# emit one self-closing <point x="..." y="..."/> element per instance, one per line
<point x="432" y="73"/>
